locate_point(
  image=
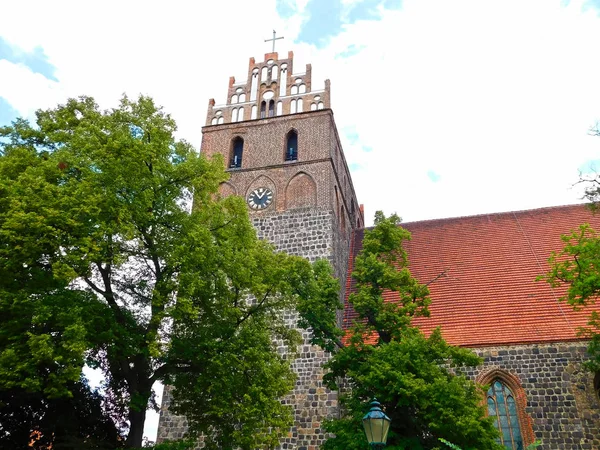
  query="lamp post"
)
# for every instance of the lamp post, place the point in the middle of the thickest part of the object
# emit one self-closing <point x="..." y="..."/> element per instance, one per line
<point x="376" y="425"/>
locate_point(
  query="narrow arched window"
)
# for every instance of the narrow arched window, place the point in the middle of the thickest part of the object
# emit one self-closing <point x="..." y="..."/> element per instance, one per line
<point x="254" y="86"/>
<point x="292" y="106"/>
<point x="234" y="99"/>
<point x="254" y="112"/>
<point x="283" y="82"/>
<point x="242" y="98"/>
<point x="300" y="107"/>
<point x="271" y="108"/>
<point x="302" y="89"/>
<point x="279" y="108"/>
<point x="502" y="407"/>
<point x="291" y="146"/>
<point x="234" y="115"/>
<point x="263" y="73"/>
<point x="237" y="150"/>
<point x="263" y="109"/>
<point x="294" y="90"/>
<point x="274" y="73"/>
<point x="240" y="114"/>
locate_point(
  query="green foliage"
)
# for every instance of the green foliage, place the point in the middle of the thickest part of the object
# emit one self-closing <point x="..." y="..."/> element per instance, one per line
<point x="66" y="423"/>
<point x="118" y="273"/>
<point x="533" y="446"/>
<point x="577" y="266"/>
<point x="418" y="379"/>
<point x="450" y="444"/>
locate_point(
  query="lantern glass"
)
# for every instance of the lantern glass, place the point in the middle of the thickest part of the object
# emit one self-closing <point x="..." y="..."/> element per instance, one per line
<point x="376" y="424"/>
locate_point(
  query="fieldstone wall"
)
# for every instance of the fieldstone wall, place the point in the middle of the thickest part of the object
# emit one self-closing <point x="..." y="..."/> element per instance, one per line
<point x="308" y="232"/>
<point x="561" y="404"/>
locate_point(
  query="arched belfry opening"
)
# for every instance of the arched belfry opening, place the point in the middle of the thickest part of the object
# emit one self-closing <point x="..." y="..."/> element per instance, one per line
<point x="263" y="109"/>
<point x="271" y="108"/>
<point x="291" y="146"/>
<point x="237" y="150"/>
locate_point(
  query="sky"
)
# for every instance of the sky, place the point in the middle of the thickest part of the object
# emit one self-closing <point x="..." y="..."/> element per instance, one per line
<point x="444" y="108"/>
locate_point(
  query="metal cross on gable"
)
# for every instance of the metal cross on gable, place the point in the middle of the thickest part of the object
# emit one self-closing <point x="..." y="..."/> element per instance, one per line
<point x="274" y="39"/>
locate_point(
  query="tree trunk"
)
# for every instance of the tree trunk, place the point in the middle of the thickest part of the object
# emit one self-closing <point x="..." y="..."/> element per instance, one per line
<point x="136" y="428"/>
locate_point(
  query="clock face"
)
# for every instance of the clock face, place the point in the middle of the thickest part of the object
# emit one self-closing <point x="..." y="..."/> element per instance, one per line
<point x="260" y="198"/>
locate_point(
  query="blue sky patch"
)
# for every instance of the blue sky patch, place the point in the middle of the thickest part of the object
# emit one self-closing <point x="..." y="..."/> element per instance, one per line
<point x="590" y="167"/>
<point x="351" y="134"/>
<point x="285" y="8"/>
<point x="350" y="51"/>
<point x="433" y="176"/>
<point x="595" y="4"/>
<point x="36" y="60"/>
<point x="326" y="18"/>
<point x="7" y="113"/>
<point x="587" y="4"/>
<point x="324" y="22"/>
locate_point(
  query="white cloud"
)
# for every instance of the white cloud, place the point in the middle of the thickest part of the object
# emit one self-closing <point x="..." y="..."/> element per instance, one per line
<point x="26" y="91"/>
<point x="496" y="98"/>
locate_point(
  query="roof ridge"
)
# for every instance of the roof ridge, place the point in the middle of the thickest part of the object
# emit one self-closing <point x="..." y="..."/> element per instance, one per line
<point x="501" y="213"/>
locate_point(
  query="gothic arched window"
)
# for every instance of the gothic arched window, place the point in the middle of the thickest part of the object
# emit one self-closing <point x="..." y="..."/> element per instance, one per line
<point x="237" y="150"/>
<point x="502" y="407"/>
<point x="263" y="109"/>
<point x="291" y="146"/>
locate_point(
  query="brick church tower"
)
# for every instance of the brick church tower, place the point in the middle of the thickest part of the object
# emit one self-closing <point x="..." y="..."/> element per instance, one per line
<point x="278" y="138"/>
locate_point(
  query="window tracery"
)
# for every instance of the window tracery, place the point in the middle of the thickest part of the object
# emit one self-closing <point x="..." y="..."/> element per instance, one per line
<point x="502" y="406"/>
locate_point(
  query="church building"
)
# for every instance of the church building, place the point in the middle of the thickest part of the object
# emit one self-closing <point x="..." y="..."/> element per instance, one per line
<point x="278" y="138"/>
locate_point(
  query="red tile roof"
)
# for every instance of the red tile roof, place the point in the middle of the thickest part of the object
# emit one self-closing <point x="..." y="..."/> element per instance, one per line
<point x="487" y="294"/>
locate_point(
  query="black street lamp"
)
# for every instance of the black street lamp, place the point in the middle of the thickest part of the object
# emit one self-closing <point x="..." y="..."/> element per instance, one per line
<point x="376" y="425"/>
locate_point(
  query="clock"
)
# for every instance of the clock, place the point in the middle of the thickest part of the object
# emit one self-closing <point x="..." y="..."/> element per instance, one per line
<point x="260" y="198"/>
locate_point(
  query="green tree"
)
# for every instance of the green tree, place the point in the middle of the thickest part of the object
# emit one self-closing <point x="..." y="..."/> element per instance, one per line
<point x="103" y="262"/>
<point x="417" y="379"/>
<point x="577" y="265"/>
<point x="64" y="423"/>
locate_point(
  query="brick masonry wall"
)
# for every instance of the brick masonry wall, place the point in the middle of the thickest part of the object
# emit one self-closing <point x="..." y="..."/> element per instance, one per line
<point x="319" y="154"/>
<point x="561" y="402"/>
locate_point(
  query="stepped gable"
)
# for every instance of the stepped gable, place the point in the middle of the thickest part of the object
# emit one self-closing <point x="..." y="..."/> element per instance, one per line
<point x="487" y="293"/>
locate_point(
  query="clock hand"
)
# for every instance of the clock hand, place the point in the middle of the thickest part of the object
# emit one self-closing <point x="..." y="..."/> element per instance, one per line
<point x="261" y="196"/>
